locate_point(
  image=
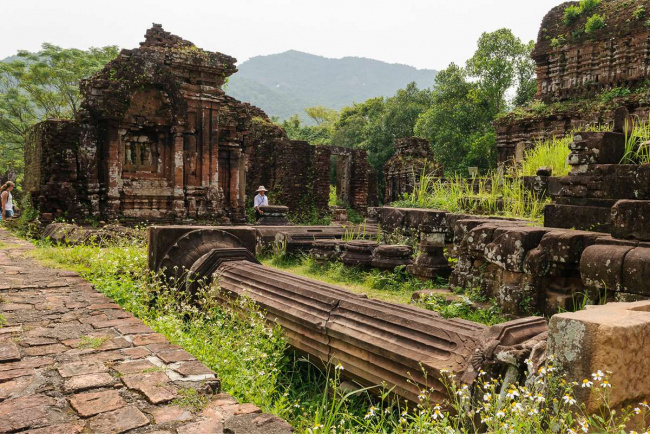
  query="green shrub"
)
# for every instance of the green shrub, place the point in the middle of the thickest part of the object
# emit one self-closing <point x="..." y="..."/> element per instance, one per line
<point x="616" y="92"/>
<point x="639" y="13"/>
<point x="587" y="6"/>
<point x="571" y="14"/>
<point x="595" y="22"/>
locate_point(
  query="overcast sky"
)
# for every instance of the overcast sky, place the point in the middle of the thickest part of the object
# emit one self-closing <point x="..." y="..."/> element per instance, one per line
<point x="421" y="33"/>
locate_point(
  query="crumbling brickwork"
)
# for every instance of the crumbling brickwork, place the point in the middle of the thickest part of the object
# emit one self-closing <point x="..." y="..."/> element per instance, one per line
<point x="51" y="168"/>
<point x="158" y="139"/>
<point x="574" y="68"/>
<point x="584" y="199"/>
<point x="412" y="158"/>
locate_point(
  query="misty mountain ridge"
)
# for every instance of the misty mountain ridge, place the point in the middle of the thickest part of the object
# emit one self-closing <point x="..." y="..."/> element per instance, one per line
<point x="285" y="84"/>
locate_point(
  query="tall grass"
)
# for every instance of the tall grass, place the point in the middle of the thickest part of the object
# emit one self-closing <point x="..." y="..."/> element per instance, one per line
<point x="495" y="194"/>
<point x="552" y="153"/>
<point x="637" y="143"/>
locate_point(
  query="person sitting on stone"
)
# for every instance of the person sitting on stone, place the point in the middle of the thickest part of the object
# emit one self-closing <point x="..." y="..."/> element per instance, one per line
<point x="260" y="200"/>
<point x="7" y="200"/>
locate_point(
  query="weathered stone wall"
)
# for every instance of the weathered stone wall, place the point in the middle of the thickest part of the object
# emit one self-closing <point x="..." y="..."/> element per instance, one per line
<point x="412" y="158"/>
<point x="572" y="63"/>
<point x="51" y="169"/>
<point x="584" y="198"/>
<point x="574" y="68"/>
<point x="158" y="139"/>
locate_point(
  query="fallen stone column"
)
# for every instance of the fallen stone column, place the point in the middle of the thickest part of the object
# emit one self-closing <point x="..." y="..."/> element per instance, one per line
<point x="375" y="341"/>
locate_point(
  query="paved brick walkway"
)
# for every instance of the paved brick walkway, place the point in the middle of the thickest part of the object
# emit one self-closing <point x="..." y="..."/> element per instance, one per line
<point x="72" y="361"/>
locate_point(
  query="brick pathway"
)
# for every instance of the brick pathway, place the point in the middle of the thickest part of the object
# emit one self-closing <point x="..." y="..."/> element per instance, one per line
<point x="72" y="361"/>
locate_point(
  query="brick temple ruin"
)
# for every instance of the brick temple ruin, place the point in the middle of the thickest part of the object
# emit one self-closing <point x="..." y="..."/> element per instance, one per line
<point x="413" y="158"/>
<point x="158" y="139"/>
<point x="574" y="69"/>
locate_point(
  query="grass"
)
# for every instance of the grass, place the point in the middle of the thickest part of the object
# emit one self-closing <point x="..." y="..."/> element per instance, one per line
<point x="637" y="146"/>
<point x="255" y="366"/>
<point x="191" y="400"/>
<point x="495" y="194"/>
<point x="395" y="287"/>
<point x="92" y="342"/>
<point x="553" y="153"/>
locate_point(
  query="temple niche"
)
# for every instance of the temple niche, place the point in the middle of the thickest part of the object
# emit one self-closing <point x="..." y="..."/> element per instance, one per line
<point x="156" y="139"/>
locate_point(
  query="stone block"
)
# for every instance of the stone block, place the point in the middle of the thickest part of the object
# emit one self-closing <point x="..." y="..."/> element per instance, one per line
<point x="612" y="338"/>
<point x="388" y="257"/>
<point x="586" y="218"/>
<point x="90" y="404"/>
<point x="601" y="266"/>
<point x="631" y="219"/>
<point x="509" y="249"/>
<point x="118" y="421"/>
<point x="154" y="385"/>
<point x="636" y="271"/>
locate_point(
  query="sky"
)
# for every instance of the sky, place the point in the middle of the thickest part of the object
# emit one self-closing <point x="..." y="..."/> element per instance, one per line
<point x="421" y="33"/>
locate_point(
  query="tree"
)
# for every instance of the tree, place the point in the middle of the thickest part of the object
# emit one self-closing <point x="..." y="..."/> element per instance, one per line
<point x="322" y="115"/>
<point x="319" y="134"/>
<point x="41" y="85"/>
<point x="495" y="64"/>
<point x="458" y="122"/>
<point x="526" y="80"/>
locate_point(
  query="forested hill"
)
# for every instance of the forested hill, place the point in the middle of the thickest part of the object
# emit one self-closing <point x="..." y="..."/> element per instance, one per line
<point x="285" y="84"/>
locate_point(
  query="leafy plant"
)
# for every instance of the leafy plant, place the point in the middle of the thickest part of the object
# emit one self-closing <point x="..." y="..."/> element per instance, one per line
<point x="571" y="14"/>
<point x="594" y="22"/>
<point x="616" y="92"/>
<point x="639" y="13"/>
<point x="589" y="5"/>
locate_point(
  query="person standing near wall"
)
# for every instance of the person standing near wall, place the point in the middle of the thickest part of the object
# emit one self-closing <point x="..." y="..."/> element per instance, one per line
<point x="260" y="200"/>
<point x="7" y="200"/>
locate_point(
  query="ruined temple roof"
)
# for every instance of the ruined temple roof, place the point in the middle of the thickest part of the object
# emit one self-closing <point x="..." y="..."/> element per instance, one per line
<point x="156" y="36"/>
<point x="622" y="18"/>
<point x="157" y="39"/>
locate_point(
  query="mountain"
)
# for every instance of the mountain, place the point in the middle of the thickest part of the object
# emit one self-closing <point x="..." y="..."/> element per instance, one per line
<point x="287" y="83"/>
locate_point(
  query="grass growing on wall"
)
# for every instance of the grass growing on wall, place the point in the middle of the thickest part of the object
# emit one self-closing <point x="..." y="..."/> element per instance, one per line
<point x="637" y="143"/>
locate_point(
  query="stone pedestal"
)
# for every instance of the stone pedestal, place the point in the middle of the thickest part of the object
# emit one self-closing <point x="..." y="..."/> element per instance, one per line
<point x="431" y="261"/>
<point x="274" y="215"/>
<point x="388" y="257"/>
<point x="324" y="251"/>
<point x="358" y="253"/>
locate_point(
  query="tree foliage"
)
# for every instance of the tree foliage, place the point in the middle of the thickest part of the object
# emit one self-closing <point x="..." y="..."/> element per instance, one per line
<point x="41" y="85"/>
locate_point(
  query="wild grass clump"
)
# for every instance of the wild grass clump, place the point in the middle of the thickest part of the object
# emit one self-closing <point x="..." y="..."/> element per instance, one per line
<point x="637" y="143"/>
<point x="543" y="402"/>
<point x="495" y="194"/>
<point x="465" y="308"/>
<point x="553" y="153"/>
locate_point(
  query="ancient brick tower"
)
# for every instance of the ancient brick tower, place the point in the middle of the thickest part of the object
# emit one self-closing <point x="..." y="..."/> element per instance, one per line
<point x="157" y="139"/>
